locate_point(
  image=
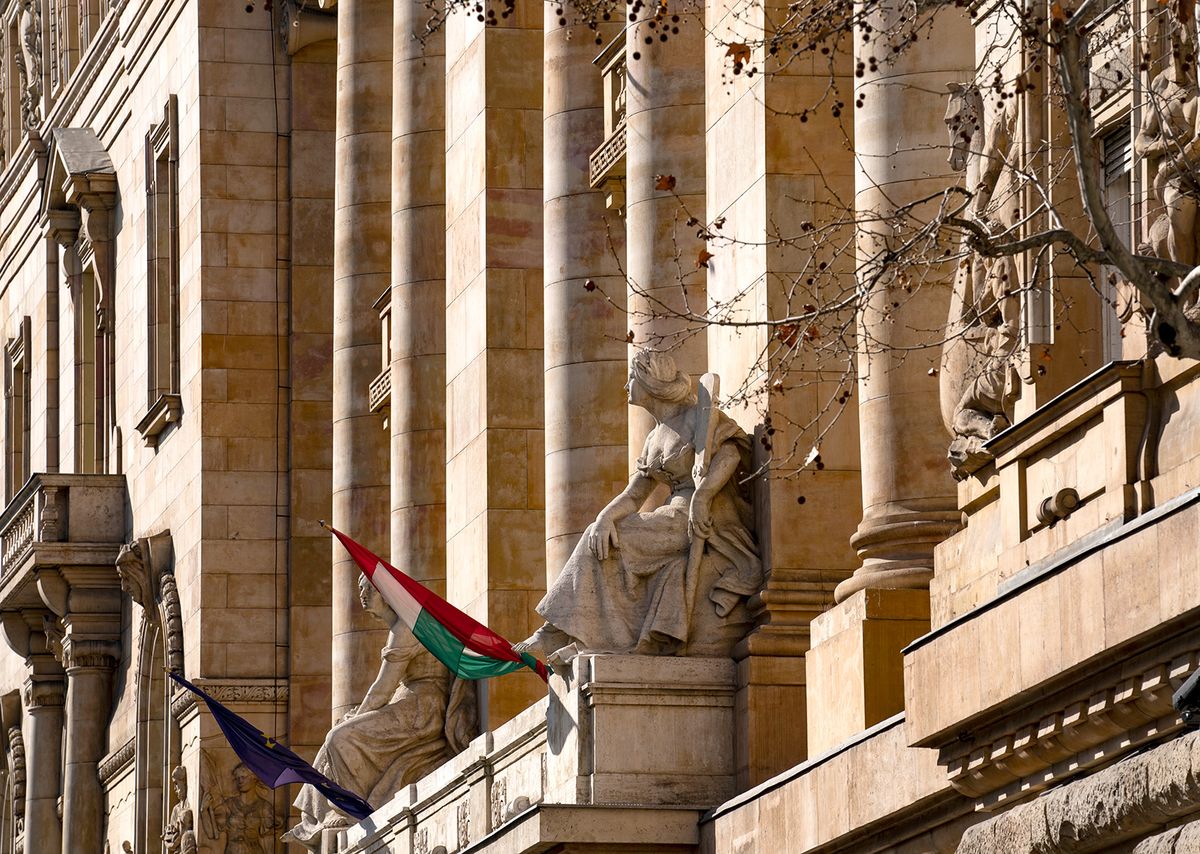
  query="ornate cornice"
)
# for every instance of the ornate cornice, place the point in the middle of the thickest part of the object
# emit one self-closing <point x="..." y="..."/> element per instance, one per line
<point x="1052" y="742"/>
<point x="232" y="692"/>
<point x="1139" y="794"/>
<point x="114" y="762"/>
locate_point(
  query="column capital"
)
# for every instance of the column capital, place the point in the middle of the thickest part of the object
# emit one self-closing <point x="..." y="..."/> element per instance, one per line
<point x="43" y="691"/>
<point x="81" y="653"/>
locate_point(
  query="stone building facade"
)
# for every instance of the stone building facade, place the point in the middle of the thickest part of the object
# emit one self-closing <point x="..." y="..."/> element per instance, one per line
<point x="267" y="264"/>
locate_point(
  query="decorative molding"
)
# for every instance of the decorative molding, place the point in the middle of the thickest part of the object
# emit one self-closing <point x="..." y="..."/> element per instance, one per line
<point x="171" y="615"/>
<point x="165" y="412"/>
<point x="16" y="763"/>
<point x="1030" y="755"/>
<point x="115" y="762"/>
<point x="232" y="692"/>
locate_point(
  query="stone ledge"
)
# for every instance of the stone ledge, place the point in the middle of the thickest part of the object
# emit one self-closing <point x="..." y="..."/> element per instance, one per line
<point x="542" y="827"/>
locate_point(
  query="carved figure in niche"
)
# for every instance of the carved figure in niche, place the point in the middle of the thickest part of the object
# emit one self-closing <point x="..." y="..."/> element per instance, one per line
<point x="1168" y="140"/>
<point x="179" y="835"/>
<point x="978" y="381"/>
<point x="29" y="62"/>
<point x="246" y="819"/>
<point x="412" y="719"/>
<point x="672" y="581"/>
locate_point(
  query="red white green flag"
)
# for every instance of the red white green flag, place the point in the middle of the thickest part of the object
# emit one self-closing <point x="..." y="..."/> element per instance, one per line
<point x="467" y="647"/>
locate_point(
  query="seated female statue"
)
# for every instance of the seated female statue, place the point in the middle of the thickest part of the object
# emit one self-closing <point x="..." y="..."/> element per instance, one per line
<point x="632" y="584"/>
<point x="413" y="718"/>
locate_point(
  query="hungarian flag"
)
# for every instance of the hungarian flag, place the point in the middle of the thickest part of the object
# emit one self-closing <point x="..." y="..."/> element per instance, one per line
<point x="468" y="648"/>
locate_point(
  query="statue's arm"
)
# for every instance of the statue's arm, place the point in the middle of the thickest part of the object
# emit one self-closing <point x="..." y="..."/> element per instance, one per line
<point x="387" y="681"/>
<point x="721" y="468"/>
<point x="1149" y="141"/>
<point x="602" y="534"/>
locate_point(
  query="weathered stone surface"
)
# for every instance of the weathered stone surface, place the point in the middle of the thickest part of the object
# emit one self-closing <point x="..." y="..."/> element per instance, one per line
<point x="1134" y="796"/>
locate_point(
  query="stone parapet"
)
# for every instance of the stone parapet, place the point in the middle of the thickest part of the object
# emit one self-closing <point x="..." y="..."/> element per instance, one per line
<point x="1069" y="667"/>
<point x="619" y="731"/>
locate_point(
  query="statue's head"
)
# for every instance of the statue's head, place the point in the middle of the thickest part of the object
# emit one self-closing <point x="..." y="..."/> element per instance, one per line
<point x="653" y="374"/>
<point x="179" y="782"/>
<point x="372" y="601"/>
<point x="964" y="118"/>
<point x="243" y="778"/>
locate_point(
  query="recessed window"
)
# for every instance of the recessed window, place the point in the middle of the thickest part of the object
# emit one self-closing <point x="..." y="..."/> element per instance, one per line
<point x="162" y="275"/>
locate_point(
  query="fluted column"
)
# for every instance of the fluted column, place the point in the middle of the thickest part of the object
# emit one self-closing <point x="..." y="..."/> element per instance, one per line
<point x="909" y="499"/>
<point x="361" y="271"/>
<point x="584" y="350"/>
<point x="44" y="692"/>
<point x="665" y="121"/>
<point x="89" y="664"/>
<point x="418" y="419"/>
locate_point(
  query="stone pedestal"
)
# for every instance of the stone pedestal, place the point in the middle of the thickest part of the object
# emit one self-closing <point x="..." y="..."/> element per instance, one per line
<point x="855" y="670"/>
<point x="641" y="730"/>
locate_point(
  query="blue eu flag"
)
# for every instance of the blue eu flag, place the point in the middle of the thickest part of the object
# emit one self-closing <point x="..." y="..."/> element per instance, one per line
<point x="273" y="763"/>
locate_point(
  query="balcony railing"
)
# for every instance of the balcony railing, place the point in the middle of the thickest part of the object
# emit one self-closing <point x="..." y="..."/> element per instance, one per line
<point x="606" y="166"/>
<point x="59" y="514"/>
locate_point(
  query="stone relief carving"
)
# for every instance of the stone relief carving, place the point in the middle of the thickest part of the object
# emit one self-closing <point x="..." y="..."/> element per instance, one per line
<point x="29" y="62"/>
<point x="499" y="795"/>
<point x="55" y="633"/>
<point x="674" y="580"/>
<point x="147" y="575"/>
<point x="978" y="380"/>
<point x="179" y="834"/>
<point x="463" y="820"/>
<point x="116" y="760"/>
<point x="246" y="819"/>
<point x="1167" y="140"/>
<point x="231" y="693"/>
<point x="413" y="718"/>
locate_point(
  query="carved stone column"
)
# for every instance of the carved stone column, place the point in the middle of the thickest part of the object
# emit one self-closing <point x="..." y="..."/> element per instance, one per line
<point x="361" y="270"/>
<point x="89" y="663"/>
<point x="909" y="500"/>
<point x="44" y="691"/>
<point x="586" y="459"/>
<point x="854" y="668"/>
<point x="665" y="120"/>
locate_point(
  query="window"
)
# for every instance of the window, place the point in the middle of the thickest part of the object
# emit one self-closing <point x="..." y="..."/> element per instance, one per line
<point x="88" y="405"/>
<point x="1118" y="199"/>
<point x="162" y="275"/>
<point x="16" y="411"/>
